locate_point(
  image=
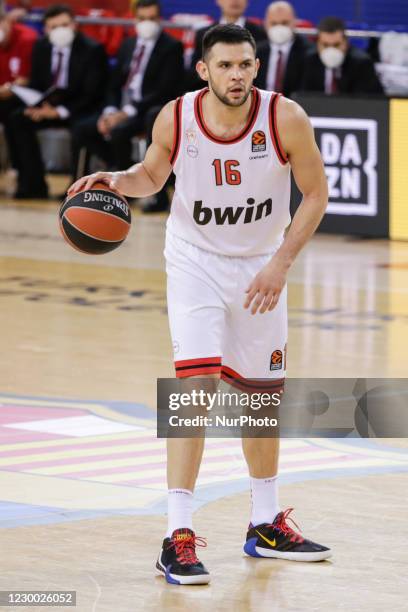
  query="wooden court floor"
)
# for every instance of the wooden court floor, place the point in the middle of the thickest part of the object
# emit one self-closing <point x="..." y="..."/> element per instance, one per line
<point x="82" y="489"/>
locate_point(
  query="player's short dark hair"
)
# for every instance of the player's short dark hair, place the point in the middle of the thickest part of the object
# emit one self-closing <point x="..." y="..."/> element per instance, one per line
<point x="58" y="9"/>
<point x="146" y="3"/>
<point x="331" y="24"/>
<point x="230" y="34"/>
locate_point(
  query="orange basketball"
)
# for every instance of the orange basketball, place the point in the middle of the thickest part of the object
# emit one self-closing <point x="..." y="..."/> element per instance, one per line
<point x="95" y="221"/>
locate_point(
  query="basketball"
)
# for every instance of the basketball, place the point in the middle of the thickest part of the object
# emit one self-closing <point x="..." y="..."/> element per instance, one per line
<point x="95" y="220"/>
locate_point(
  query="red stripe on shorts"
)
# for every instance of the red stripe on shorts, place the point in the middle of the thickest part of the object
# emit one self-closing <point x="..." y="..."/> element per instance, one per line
<point x="251" y="384"/>
<point x="197" y="367"/>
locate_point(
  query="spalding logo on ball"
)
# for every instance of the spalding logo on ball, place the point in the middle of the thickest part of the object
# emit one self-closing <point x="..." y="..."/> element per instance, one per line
<point x="95" y="221"/>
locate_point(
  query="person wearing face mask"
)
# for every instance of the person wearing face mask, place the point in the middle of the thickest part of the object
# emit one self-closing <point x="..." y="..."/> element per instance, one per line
<point x="283" y="56"/>
<point x="232" y="11"/>
<point x="336" y="67"/>
<point x="149" y="73"/>
<point x="72" y="70"/>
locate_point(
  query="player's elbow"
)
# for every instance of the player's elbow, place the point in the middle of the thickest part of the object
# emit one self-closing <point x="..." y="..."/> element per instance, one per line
<point x="154" y="181"/>
<point x="320" y="191"/>
<point x="157" y="184"/>
<point x="318" y="196"/>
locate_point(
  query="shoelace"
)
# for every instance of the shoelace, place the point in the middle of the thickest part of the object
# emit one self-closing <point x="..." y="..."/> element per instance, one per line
<point x="185" y="549"/>
<point x="282" y="525"/>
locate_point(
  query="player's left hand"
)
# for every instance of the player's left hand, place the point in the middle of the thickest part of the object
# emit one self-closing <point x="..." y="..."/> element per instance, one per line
<point x="264" y="291"/>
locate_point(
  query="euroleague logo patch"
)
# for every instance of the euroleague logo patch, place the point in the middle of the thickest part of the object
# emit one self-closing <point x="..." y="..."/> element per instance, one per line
<point x="276" y="360"/>
<point x="258" y="141"/>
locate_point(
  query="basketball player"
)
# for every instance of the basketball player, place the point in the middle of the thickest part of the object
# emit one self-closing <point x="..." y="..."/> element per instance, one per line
<point x="232" y="148"/>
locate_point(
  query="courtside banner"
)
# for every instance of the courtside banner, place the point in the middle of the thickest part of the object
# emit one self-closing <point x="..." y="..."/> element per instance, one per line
<point x="301" y="408"/>
<point x="353" y="138"/>
<point x="398" y="169"/>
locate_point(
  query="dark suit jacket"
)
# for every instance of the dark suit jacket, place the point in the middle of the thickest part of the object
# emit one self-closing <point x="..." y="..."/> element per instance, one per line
<point x="193" y="80"/>
<point x="87" y="74"/>
<point x="162" y="80"/>
<point x="294" y="66"/>
<point x="358" y="75"/>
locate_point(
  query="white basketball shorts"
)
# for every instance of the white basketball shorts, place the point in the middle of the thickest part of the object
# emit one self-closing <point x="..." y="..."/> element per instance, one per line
<point x="211" y="331"/>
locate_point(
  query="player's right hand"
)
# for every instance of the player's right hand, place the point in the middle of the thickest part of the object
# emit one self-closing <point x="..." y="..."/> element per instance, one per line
<point x="87" y="182"/>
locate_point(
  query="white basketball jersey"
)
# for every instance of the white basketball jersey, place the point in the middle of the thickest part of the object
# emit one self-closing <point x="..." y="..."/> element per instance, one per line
<point x="232" y="196"/>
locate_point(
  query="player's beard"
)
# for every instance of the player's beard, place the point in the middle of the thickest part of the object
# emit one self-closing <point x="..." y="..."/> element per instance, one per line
<point x="225" y="100"/>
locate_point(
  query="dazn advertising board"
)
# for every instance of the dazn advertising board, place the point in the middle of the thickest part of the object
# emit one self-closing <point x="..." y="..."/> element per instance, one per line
<point x="353" y="137"/>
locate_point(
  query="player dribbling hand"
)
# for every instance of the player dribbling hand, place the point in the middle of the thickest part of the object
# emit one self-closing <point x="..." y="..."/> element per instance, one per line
<point x="111" y="179"/>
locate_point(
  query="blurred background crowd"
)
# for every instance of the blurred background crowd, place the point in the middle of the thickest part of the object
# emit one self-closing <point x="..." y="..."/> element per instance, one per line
<point x="80" y="88"/>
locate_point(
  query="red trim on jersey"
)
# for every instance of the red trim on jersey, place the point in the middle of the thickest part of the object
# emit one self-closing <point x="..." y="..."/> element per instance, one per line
<point x="176" y="130"/>
<point x="273" y="127"/>
<point x="197" y="367"/>
<point x="251" y="384"/>
<point x="253" y="113"/>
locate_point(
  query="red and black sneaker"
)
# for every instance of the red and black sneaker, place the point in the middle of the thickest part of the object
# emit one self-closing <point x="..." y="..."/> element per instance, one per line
<point x="280" y="541"/>
<point x="178" y="561"/>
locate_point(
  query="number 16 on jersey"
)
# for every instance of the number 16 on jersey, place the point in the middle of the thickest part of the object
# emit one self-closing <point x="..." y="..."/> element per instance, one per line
<point x="232" y="176"/>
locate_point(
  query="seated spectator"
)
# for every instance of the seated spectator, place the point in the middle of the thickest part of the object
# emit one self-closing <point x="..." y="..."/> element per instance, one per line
<point x="283" y="56"/>
<point x="75" y="67"/>
<point x="19" y="10"/>
<point x="16" y="46"/>
<point x="232" y="11"/>
<point x="336" y="67"/>
<point x="148" y="74"/>
<point x="22" y="9"/>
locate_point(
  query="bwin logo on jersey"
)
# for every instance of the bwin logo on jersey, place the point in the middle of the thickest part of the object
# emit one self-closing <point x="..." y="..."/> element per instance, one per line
<point x="230" y="215"/>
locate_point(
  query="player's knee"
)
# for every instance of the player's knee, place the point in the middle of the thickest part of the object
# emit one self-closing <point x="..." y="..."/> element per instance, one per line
<point x="196" y="384"/>
<point x="207" y="382"/>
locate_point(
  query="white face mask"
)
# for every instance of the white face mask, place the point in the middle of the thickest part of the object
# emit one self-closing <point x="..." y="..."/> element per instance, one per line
<point x="280" y="34"/>
<point x="332" y="57"/>
<point x="147" y="29"/>
<point x="62" y="36"/>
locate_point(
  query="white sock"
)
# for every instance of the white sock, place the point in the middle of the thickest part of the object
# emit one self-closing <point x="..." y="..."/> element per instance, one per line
<point x="264" y="498"/>
<point x="180" y="510"/>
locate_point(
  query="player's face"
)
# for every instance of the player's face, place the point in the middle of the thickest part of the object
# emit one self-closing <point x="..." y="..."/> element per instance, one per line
<point x="230" y="71"/>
